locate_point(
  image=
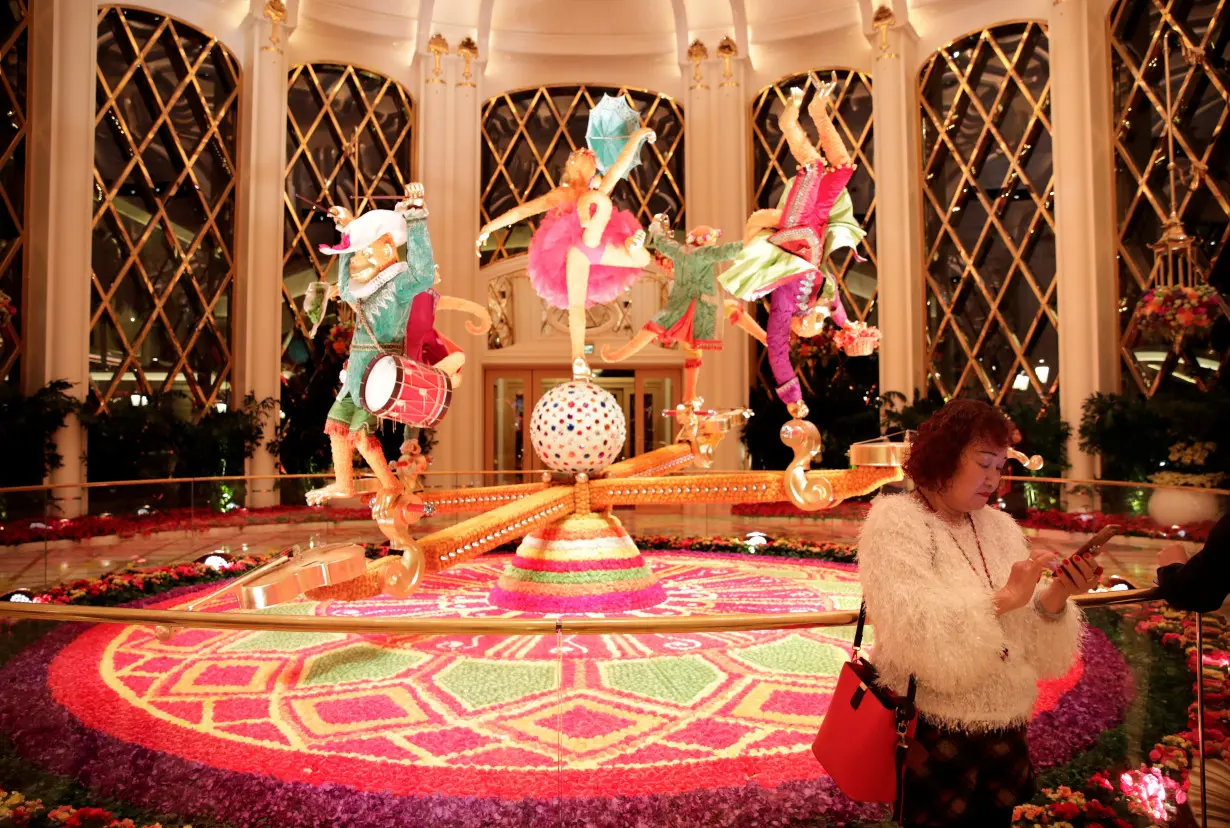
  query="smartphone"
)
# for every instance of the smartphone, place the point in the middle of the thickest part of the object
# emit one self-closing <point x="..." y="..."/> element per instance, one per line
<point x="1094" y="545"/>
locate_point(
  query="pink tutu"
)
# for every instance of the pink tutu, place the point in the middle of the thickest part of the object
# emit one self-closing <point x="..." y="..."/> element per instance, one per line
<point x="559" y="232"/>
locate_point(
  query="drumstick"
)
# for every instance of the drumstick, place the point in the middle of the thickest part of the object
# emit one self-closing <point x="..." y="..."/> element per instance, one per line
<point x="315" y="205"/>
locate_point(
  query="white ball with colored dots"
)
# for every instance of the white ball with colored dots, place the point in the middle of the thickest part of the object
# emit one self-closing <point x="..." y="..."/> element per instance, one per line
<point x="577" y="427"/>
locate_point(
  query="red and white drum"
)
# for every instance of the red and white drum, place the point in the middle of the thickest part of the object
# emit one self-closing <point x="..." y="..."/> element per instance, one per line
<point x="406" y="391"/>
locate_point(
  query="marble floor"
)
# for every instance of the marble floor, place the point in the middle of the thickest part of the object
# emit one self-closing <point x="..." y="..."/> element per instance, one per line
<point x="39" y="567"/>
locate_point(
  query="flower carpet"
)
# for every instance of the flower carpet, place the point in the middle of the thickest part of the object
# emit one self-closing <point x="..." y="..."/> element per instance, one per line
<point x="298" y="729"/>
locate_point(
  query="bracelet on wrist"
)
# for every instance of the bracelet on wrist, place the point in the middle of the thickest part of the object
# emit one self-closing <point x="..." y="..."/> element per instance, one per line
<point x="1041" y="609"/>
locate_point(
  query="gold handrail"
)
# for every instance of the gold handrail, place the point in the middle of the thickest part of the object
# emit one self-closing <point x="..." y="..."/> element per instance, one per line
<point x="166" y="481"/>
<point x="744" y="622"/>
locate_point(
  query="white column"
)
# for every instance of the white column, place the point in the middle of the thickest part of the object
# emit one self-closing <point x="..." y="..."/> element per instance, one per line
<point x="63" y="43"/>
<point x="448" y="167"/>
<point x="1084" y="190"/>
<point x="899" y="242"/>
<point x="723" y="184"/>
<point x="258" y="291"/>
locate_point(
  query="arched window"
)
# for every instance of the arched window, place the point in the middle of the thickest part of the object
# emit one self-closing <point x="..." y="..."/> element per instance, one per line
<point x="988" y="215"/>
<point x="164" y="210"/>
<point x="350" y="144"/>
<point x="14" y="53"/>
<point x="528" y="134"/>
<point x="772" y="166"/>
<point x="1200" y="85"/>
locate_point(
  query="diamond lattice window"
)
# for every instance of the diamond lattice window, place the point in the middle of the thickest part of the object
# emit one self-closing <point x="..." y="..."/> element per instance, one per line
<point x="988" y="204"/>
<point x="349" y="143"/>
<point x="1199" y="37"/>
<point x="14" y="52"/>
<point x="164" y="210"/>
<point x="528" y="134"/>
<point x="773" y="165"/>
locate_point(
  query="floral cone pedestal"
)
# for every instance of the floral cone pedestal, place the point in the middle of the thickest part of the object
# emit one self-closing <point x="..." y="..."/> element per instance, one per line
<point x="584" y="563"/>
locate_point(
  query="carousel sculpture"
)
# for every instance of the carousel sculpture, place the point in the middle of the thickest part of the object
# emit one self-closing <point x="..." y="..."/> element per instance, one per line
<point x="574" y="554"/>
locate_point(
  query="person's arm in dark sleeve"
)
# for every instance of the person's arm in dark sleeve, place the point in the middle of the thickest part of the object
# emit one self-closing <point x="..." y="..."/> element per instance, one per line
<point x="1201" y="584"/>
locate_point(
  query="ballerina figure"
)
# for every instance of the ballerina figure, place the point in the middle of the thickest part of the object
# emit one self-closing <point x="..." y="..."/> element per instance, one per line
<point x="784" y="248"/>
<point x="689" y="316"/>
<point x="585" y="252"/>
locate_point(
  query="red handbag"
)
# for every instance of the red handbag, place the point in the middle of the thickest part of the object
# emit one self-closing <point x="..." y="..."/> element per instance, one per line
<point x="866" y="733"/>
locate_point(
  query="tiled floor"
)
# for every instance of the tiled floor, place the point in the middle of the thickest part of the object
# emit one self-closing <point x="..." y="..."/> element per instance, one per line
<point x="38" y="568"/>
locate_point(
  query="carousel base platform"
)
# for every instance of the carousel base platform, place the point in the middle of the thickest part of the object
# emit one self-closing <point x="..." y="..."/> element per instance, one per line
<point x="305" y="729"/>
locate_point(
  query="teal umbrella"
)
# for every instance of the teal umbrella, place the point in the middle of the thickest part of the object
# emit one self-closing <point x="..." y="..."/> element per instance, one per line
<point x="611" y="124"/>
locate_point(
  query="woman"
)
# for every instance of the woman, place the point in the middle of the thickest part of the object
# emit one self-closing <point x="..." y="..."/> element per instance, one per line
<point x="956" y="600"/>
<point x="785" y="247"/>
<point x="585" y="252"/>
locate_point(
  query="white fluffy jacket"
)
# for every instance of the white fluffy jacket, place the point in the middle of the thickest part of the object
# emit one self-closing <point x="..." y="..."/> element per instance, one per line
<point x="934" y="618"/>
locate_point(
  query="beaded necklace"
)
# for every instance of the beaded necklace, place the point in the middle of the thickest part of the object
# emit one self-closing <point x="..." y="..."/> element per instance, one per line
<point x="977" y="542"/>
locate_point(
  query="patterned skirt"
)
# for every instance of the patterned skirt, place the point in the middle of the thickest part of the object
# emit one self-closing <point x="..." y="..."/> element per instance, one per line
<point x="957" y="778"/>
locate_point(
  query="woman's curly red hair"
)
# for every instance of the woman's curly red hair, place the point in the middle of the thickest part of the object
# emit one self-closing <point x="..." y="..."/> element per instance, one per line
<point x="936" y="450"/>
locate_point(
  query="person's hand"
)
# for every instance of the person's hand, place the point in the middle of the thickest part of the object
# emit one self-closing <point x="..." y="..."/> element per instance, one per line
<point x="334" y="291"/>
<point x="1020" y="587"/>
<point x="1076" y="576"/>
<point x="1172" y="553"/>
<point x="483" y="235"/>
<point x="341" y="217"/>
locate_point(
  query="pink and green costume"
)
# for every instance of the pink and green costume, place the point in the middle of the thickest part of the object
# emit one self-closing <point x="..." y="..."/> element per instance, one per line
<point x="785" y="264"/>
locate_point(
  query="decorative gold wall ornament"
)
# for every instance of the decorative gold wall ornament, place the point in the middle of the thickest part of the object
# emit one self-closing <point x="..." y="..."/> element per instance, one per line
<point x="275" y="13"/>
<point x="468" y="50"/>
<point x="438" y="47"/>
<point x="882" y="21"/>
<point x="727" y="50"/>
<point x="698" y="54"/>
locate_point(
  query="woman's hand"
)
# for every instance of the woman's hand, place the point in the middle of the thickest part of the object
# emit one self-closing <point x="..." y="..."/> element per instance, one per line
<point x="1075" y="577"/>
<point x="483" y="235"/>
<point x="1020" y="587"/>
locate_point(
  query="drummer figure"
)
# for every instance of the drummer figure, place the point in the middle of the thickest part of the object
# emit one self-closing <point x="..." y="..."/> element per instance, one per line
<point x="381" y="288"/>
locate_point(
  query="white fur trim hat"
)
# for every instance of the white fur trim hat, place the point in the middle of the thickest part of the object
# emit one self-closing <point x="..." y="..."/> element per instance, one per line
<point x="368" y="227"/>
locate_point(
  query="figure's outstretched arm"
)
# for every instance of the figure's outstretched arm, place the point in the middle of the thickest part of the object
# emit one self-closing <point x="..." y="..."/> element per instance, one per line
<point x="624" y="162"/>
<point x="830" y="139"/>
<point x="455" y="303"/>
<point x="516" y="214"/>
<point x="788" y="122"/>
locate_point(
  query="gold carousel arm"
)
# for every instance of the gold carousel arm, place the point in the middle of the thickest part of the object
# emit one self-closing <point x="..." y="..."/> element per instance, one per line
<point x="481" y="533"/>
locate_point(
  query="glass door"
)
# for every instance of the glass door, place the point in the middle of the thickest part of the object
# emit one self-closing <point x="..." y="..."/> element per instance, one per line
<point x="512" y="394"/>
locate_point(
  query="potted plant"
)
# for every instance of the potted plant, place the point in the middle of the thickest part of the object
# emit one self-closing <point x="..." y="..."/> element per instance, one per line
<point x="1188" y="468"/>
